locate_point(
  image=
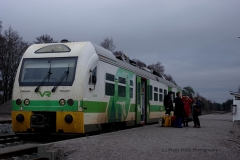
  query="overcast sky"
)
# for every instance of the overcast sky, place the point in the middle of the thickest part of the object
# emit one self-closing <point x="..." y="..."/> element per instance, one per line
<point x="196" y="41"/>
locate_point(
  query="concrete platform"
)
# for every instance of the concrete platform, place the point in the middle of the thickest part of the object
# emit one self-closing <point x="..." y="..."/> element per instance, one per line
<point x="219" y="138"/>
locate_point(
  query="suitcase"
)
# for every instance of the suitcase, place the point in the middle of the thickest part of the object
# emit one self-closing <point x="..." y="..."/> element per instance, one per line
<point x="173" y="119"/>
<point x="166" y="121"/>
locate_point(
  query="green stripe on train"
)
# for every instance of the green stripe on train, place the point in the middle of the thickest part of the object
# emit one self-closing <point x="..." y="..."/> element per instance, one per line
<point x="94" y="107"/>
<point x="47" y="105"/>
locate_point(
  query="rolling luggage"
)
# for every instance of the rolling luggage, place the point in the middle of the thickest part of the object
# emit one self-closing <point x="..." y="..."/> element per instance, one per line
<point x="166" y="121"/>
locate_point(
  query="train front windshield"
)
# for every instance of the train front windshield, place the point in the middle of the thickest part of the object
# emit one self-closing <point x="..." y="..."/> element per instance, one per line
<point x="47" y="71"/>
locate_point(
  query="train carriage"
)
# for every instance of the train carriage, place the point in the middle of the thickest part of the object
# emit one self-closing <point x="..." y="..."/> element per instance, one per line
<point x="79" y="87"/>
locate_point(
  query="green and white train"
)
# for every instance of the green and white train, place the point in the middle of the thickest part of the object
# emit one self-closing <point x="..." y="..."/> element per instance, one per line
<point x="79" y="87"/>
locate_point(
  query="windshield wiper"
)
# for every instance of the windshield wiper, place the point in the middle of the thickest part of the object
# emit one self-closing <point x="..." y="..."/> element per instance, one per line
<point x="61" y="79"/>
<point x="46" y="77"/>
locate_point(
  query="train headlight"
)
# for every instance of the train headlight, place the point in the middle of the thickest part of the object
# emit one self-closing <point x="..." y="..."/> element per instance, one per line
<point x="18" y="101"/>
<point x="68" y="118"/>
<point x="62" y="102"/>
<point x="26" y="102"/>
<point x="20" y="118"/>
<point x="70" y="102"/>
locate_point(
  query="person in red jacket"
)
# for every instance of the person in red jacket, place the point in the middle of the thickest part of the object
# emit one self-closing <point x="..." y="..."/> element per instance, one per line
<point x="187" y="106"/>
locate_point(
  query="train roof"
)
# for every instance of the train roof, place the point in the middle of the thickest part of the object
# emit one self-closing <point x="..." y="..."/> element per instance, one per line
<point x="107" y="57"/>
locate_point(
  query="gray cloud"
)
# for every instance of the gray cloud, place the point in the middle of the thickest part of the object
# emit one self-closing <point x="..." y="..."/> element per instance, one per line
<point x="196" y="41"/>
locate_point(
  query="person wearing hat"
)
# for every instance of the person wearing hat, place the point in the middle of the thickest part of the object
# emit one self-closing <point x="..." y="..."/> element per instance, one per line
<point x="179" y="110"/>
<point x="168" y="104"/>
<point x="196" y="112"/>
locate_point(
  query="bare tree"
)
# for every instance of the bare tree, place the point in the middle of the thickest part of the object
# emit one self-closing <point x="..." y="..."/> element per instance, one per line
<point x="0" y="27"/>
<point x="45" y="38"/>
<point x="12" y="48"/>
<point x="158" y="67"/>
<point x="169" y="78"/>
<point x="118" y="53"/>
<point x="139" y="63"/>
<point x="108" y="44"/>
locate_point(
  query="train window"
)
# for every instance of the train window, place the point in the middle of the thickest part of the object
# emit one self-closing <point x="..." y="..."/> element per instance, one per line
<point x="155" y="97"/>
<point x="150" y="90"/>
<point x="131" y="92"/>
<point x="94" y="72"/>
<point x="160" y="97"/>
<point x="165" y="92"/>
<point x="160" y="90"/>
<point x="110" y="77"/>
<point x="155" y="89"/>
<point x="121" y="80"/>
<point x="109" y="89"/>
<point x="131" y="83"/>
<point x="121" y="91"/>
<point x="56" y="48"/>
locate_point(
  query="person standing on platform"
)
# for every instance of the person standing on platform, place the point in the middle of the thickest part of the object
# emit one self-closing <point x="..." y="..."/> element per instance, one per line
<point x="168" y="104"/>
<point x="179" y="111"/>
<point x="187" y="106"/>
<point x="196" y="112"/>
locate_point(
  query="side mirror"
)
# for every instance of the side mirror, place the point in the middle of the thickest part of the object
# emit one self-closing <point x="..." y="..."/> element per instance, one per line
<point x="94" y="79"/>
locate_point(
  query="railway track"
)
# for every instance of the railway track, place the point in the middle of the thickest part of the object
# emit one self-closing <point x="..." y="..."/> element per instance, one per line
<point x="5" y="121"/>
<point x="22" y="153"/>
<point x="9" y="139"/>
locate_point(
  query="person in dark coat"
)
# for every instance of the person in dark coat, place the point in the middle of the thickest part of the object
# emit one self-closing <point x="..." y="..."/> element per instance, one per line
<point x="179" y="111"/>
<point x="168" y="104"/>
<point x="196" y="112"/>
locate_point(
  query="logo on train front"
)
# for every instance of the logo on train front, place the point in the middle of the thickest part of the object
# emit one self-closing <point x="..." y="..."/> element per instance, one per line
<point x="45" y="93"/>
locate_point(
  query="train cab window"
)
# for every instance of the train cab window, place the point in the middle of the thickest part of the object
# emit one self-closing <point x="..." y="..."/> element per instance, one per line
<point x="121" y="80"/>
<point x="150" y="90"/>
<point x="55" y="48"/>
<point x="160" y="97"/>
<point x="92" y="75"/>
<point x="35" y="70"/>
<point x="121" y="91"/>
<point x="155" y="97"/>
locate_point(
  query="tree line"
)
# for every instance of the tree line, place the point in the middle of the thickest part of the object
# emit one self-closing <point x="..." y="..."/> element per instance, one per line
<point x="208" y="105"/>
<point x="12" y="47"/>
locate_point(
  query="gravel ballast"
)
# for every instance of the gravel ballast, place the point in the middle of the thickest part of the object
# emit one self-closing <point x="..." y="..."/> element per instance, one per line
<point x="217" y="139"/>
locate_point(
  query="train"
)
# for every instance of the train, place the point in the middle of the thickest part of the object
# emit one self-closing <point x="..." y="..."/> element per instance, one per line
<point x="80" y="87"/>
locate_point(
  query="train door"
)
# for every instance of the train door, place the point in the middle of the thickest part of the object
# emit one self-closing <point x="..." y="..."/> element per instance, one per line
<point x="142" y="101"/>
<point x="147" y="100"/>
<point x="138" y="100"/>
